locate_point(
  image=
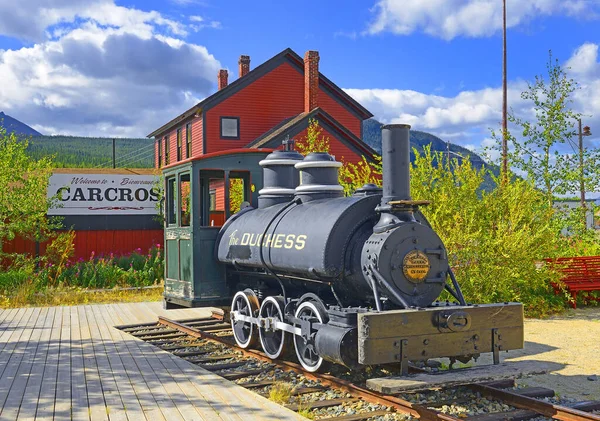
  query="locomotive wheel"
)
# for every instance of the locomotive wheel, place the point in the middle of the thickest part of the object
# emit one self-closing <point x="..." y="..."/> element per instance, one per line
<point x="246" y="303"/>
<point x="272" y="341"/>
<point x="305" y="348"/>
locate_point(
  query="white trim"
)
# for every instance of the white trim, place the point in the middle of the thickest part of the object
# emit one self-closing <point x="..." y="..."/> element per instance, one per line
<point x="318" y="164"/>
<point x="276" y="190"/>
<point x="319" y="363"/>
<point x="270" y="322"/>
<point x="318" y="187"/>
<point x="267" y="162"/>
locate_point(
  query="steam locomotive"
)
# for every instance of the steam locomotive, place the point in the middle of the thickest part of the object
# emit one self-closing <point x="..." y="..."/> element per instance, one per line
<point x="350" y="280"/>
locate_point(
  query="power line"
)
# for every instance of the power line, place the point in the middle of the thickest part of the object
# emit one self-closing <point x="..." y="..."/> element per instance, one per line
<point x="133" y="160"/>
<point x="137" y="152"/>
<point x="129" y="154"/>
<point x="121" y="161"/>
<point x="140" y="156"/>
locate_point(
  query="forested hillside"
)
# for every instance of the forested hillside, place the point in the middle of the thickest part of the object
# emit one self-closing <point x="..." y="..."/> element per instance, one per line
<point x="86" y="152"/>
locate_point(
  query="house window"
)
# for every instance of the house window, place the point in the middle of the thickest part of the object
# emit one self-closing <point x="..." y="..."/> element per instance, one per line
<point x="167" y="147"/>
<point x="188" y="140"/>
<point x="159" y="152"/>
<point x="179" y="144"/>
<point x="230" y="127"/>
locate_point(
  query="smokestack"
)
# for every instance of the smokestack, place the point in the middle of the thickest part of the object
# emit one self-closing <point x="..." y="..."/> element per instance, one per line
<point x="395" y="154"/>
<point x="395" y="151"/>
<point x="244" y="65"/>
<point x="311" y="80"/>
<point x="222" y="78"/>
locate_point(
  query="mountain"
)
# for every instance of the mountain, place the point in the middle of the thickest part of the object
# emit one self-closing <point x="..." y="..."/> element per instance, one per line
<point x="418" y="140"/>
<point x="13" y="125"/>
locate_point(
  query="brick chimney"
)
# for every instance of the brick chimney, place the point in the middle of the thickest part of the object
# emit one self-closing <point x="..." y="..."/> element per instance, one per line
<point x="244" y="64"/>
<point x="311" y="80"/>
<point x="222" y="78"/>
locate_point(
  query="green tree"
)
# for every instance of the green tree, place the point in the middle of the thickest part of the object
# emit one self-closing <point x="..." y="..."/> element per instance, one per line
<point x="314" y="141"/>
<point x="23" y="185"/>
<point x="354" y="176"/>
<point x="351" y="176"/>
<point x="545" y="147"/>
<point x="496" y="240"/>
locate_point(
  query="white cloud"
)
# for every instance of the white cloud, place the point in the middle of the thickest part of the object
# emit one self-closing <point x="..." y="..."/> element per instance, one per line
<point x="584" y="62"/>
<point x="116" y="73"/>
<point x="472" y="18"/>
<point x="200" y="23"/>
<point x="467" y="117"/>
<point x="352" y="34"/>
<point x="31" y="19"/>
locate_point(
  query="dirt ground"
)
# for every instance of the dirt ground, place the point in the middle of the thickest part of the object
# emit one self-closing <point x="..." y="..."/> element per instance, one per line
<point x="570" y="345"/>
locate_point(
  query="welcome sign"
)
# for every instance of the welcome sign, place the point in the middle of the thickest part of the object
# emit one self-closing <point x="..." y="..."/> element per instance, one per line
<point x="103" y="194"/>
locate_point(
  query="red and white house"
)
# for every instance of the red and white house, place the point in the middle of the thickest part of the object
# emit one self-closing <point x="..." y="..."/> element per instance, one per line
<point x="263" y="107"/>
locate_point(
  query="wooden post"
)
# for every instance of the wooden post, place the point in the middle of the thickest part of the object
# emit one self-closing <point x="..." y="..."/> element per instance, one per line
<point x="581" y="174"/>
<point x="504" y="101"/>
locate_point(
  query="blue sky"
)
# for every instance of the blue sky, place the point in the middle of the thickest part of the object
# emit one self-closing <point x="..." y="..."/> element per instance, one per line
<point x="123" y="68"/>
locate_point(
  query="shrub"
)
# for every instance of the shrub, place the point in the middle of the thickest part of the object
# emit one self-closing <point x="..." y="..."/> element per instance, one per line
<point x="28" y="279"/>
<point x="496" y="240"/>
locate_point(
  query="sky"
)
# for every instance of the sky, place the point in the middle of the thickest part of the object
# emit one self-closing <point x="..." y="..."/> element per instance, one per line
<point x="123" y="68"/>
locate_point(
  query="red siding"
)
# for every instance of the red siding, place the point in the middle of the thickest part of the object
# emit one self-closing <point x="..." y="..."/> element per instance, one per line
<point x="156" y="163"/>
<point x="219" y="187"/>
<point x="197" y="141"/>
<point x="260" y="106"/>
<point x="173" y="145"/>
<point x="99" y="242"/>
<point x="340" y="113"/>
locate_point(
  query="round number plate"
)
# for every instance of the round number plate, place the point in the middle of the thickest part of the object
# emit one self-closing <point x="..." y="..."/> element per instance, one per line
<point x="416" y="266"/>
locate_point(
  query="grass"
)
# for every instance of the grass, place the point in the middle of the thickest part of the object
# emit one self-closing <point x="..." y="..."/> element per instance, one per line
<point x="281" y="393"/>
<point x="305" y="412"/>
<point x="70" y="296"/>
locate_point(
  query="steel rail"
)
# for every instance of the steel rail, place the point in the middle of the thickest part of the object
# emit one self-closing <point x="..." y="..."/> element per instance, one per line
<point x="397" y="403"/>
<point x="547" y="409"/>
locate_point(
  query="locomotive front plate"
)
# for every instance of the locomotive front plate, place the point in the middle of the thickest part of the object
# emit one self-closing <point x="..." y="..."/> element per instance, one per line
<point x="438" y="331"/>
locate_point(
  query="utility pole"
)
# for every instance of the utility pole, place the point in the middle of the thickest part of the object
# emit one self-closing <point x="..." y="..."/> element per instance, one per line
<point x="504" y="100"/>
<point x="448" y="152"/>
<point x="585" y="132"/>
<point x="114" y="155"/>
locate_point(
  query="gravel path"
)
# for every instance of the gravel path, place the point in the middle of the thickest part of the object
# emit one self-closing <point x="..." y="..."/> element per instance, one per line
<point x="570" y="345"/>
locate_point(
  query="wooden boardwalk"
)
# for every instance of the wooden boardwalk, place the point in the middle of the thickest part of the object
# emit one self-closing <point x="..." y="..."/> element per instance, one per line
<point x="62" y="363"/>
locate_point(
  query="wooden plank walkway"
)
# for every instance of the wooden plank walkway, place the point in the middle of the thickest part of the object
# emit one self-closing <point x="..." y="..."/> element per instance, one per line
<point x="70" y="363"/>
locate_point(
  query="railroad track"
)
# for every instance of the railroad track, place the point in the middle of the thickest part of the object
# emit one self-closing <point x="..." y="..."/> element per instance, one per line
<point x="208" y="343"/>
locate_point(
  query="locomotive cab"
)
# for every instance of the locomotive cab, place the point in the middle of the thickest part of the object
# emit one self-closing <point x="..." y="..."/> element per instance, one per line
<point x="200" y="195"/>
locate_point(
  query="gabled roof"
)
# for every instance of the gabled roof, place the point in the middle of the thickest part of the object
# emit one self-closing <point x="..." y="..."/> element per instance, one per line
<point x="292" y="126"/>
<point x="288" y="54"/>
